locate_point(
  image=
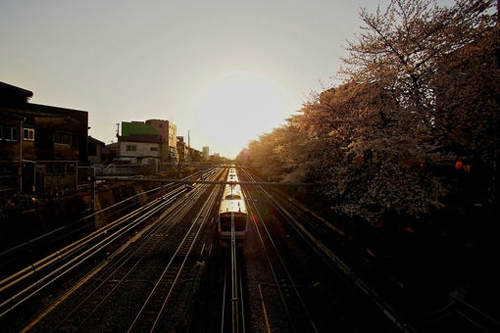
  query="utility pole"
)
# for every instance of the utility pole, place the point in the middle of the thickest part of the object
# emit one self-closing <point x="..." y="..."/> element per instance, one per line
<point x="188" y="159"/>
<point x="495" y="115"/>
<point x="20" y="168"/>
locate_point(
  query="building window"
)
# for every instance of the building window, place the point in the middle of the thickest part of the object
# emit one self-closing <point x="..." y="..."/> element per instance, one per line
<point x="28" y="134"/>
<point x="62" y="138"/>
<point x="131" y="148"/>
<point x="154" y="148"/>
<point x="9" y="133"/>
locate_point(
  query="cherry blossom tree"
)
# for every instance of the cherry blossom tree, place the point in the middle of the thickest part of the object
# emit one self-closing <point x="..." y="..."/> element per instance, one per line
<point x="420" y="89"/>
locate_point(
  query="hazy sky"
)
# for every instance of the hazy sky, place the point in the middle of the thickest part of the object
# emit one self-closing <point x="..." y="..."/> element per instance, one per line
<point x="226" y="71"/>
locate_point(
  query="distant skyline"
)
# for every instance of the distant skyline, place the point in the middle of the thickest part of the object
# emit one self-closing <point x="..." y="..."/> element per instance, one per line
<point x="224" y="71"/>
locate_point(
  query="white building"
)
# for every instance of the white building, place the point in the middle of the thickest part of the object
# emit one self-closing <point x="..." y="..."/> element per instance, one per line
<point x="206" y="153"/>
<point x="141" y="151"/>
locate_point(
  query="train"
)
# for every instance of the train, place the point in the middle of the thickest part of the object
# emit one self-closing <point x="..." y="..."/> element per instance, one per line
<point x="232" y="211"/>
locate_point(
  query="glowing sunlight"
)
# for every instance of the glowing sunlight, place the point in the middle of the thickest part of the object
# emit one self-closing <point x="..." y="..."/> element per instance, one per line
<point x="237" y="107"/>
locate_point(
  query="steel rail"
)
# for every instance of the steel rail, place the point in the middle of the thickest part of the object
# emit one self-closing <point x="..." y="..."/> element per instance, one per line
<point x="235" y="293"/>
<point x="69" y="226"/>
<point x="282" y="263"/>
<point x="174" y="213"/>
<point x="325" y="252"/>
<point x="149" y="229"/>
<point x="188" y="240"/>
<point x="61" y="253"/>
<point x="32" y="289"/>
<point x="208" y="205"/>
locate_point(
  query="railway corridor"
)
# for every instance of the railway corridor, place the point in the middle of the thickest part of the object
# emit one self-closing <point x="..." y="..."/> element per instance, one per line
<point x="286" y="286"/>
<point x="162" y="269"/>
<point x="123" y="278"/>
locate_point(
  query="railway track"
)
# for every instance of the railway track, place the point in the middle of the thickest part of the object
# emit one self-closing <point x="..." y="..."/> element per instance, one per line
<point x="312" y="232"/>
<point x="26" y="283"/>
<point x="148" y="271"/>
<point x="282" y="286"/>
<point x="290" y="311"/>
<point x="357" y="272"/>
<point x="106" y="290"/>
<point x="164" y="290"/>
<point x="233" y="308"/>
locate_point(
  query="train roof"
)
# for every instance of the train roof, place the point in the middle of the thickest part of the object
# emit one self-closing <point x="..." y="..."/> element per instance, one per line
<point x="232" y="198"/>
<point x="234" y="190"/>
<point x="232" y="176"/>
<point x="237" y="206"/>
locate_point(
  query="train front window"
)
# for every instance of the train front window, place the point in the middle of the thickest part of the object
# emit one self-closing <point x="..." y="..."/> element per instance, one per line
<point x="240" y="222"/>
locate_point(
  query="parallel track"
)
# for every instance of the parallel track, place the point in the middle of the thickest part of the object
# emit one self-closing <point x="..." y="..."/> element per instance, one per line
<point x="164" y="291"/>
<point x="83" y="304"/>
<point x="294" y="307"/>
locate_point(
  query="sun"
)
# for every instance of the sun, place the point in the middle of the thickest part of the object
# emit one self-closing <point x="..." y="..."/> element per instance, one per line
<point x="238" y="106"/>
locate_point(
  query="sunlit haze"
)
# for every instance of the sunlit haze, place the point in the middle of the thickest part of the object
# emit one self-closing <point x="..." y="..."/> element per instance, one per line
<point x="222" y="71"/>
<point x="237" y="106"/>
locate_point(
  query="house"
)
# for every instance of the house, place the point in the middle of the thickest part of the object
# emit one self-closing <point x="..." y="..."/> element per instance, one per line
<point x="151" y="144"/>
<point x="182" y="150"/>
<point x="41" y="146"/>
<point x="95" y="148"/>
<point x="141" y="151"/>
<point x="168" y="136"/>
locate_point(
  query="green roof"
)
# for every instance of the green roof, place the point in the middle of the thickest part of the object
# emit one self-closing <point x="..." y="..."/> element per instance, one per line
<point x="137" y="128"/>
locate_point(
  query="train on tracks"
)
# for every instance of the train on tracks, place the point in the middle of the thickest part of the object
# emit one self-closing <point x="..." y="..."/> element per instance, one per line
<point x="233" y="215"/>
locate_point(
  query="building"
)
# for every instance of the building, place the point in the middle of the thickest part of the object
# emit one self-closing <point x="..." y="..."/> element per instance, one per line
<point x="41" y="147"/>
<point x="151" y="144"/>
<point x="182" y="150"/>
<point x="168" y="136"/>
<point x="141" y="151"/>
<point x="206" y="153"/>
<point x="95" y="150"/>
